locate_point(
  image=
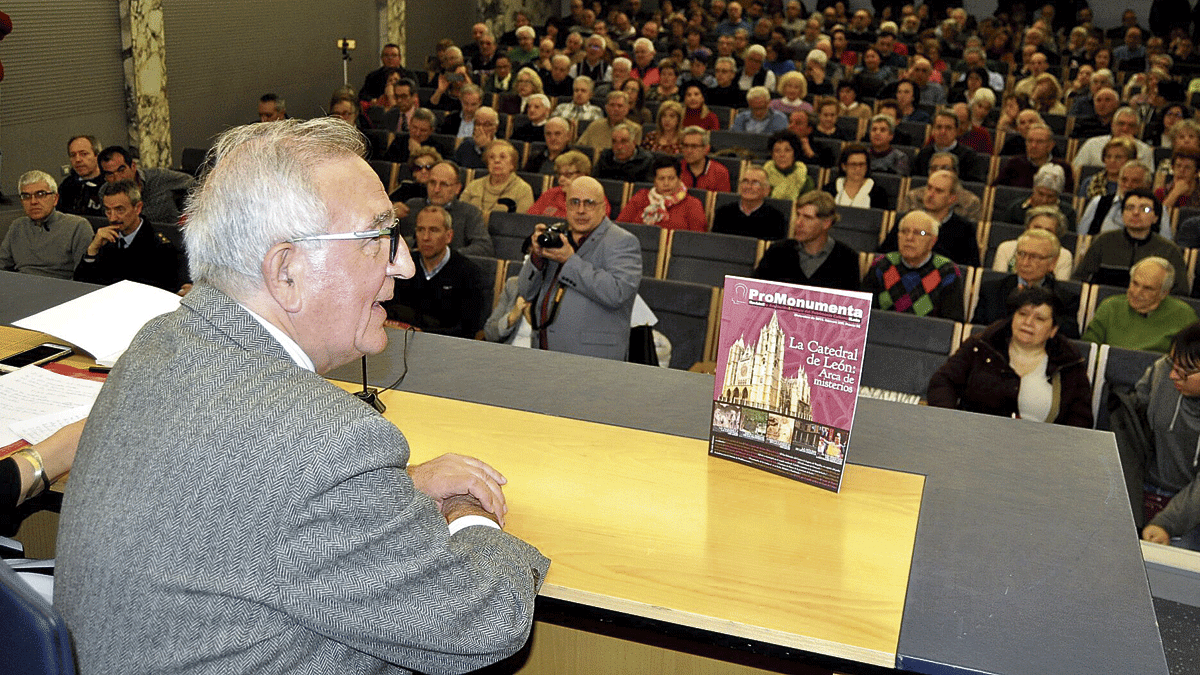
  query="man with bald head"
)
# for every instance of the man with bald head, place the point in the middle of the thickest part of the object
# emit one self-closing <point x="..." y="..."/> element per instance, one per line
<point x="1038" y="64"/>
<point x="581" y="285"/>
<point x="1098" y="121"/>
<point x="914" y="279"/>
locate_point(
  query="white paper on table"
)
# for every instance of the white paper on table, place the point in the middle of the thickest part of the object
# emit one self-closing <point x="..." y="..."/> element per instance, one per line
<point x="38" y="429"/>
<point x="104" y="321"/>
<point x="34" y="391"/>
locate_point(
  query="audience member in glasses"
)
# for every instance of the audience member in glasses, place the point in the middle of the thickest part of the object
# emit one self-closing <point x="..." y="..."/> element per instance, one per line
<point x="915" y="279"/>
<point x="751" y="215"/>
<point x="290" y="242"/>
<point x="130" y="247"/>
<point x="1170" y="393"/>
<point x="444" y="185"/>
<point x="1109" y="257"/>
<point x="44" y="241"/>
<point x="581" y="285"/>
<point x="1034" y="255"/>
<point x="1020" y="367"/>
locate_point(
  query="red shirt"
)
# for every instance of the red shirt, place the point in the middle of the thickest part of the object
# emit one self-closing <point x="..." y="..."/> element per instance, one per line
<point x="709" y="122"/>
<point x="714" y="178"/>
<point x="686" y="215"/>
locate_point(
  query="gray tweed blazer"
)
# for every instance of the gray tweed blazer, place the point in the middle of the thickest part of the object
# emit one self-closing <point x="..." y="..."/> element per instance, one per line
<point x="230" y="512"/>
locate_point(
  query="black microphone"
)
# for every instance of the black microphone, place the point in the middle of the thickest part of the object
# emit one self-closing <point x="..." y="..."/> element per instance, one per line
<point x="369" y="395"/>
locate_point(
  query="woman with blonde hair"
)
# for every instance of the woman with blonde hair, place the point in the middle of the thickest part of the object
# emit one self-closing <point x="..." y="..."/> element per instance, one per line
<point x="501" y="189"/>
<point x="793" y="88"/>
<point x="1046" y="95"/>
<point x="526" y="84"/>
<point x="665" y="137"/>
<point x="567" y="167"/>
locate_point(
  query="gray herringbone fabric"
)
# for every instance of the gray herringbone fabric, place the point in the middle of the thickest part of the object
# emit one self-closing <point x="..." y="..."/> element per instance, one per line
<point x="230" y="512"/>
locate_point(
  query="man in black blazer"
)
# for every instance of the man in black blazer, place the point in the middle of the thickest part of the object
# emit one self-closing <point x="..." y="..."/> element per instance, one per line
<point x="1037" y="252"/>
<point x="944" y="138"/>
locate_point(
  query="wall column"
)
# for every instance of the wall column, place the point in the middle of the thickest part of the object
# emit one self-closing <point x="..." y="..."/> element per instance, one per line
<point x="395" y="29"/>
<point x="144" y="53"/>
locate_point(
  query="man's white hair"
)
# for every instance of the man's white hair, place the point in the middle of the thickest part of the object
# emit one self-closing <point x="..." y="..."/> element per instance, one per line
<point x="261" y="190"/>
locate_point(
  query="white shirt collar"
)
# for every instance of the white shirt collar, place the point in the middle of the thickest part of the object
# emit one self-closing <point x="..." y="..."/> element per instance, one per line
<point x="289" y="345"/>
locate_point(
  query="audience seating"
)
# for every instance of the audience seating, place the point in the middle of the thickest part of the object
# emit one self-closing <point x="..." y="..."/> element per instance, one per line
<point x="755" y="143"/>
<point x="687" y="314"/>
<point x="654" y="243"/>
<point x="492" y="276"/>
<point x="509" y="231"/>
<point x="1116" y="368"/>
<point x="35" y="638"/>
<point x="904" y="350"/>
<point x="706" y="258"/>
<point x="378" y="141"/>
<point x="616" y="192"/>
<point x="894" y="184"/>
<point x="386" y="172"/>
<point x="735" y="166"/>
<point x="862" y="229"/>
<point x="193" y="161"/>
<point x="540" y="182"/>
<point x="724" y="114"/>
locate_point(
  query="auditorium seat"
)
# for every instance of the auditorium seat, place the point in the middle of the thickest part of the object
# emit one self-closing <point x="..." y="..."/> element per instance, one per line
<point x="35" y="639"/>
<point x="492" y="276"/>
<point x="653" y="240"/>
<point x="706" y="258"/>
<point x="387" y="173"/>
<point x="1116" y="368"/>
<point x="539" y="182"/>
<point x="862" y="229"/>
<point x="904" y="350"/>
<point x="687" y="315"/>
<point x="509" y="231"/>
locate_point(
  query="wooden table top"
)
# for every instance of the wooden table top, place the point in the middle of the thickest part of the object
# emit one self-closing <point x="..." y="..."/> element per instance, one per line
<point x="648" y="524"/>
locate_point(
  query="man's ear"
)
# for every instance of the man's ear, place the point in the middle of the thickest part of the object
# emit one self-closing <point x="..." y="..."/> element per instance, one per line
<point x="283" y="270"/>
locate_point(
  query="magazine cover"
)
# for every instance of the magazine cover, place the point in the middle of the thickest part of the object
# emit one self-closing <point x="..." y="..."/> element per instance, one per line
<point x="788" y="370"/>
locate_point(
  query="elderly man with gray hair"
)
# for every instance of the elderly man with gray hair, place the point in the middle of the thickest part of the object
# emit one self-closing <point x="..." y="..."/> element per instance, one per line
<point x="1033" y="259"/>
<point x="1145" y="317"/>
<point x="44" y="241"/>
<point x="290" y="240"/>
<point x="1125" y="123"/>
<point x="759" y="118"/>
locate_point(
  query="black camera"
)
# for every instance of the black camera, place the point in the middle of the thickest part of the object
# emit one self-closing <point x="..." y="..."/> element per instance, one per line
<point x="553" y="236"/>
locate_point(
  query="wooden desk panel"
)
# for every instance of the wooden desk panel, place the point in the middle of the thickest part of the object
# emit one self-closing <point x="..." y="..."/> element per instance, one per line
<point x="648" y="524"/>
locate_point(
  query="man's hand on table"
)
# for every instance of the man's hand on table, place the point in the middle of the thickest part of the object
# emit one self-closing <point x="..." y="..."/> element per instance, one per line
<point x="462" y="486"/>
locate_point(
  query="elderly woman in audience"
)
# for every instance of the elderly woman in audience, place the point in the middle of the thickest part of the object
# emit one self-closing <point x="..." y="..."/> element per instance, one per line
<point x="695" y="110"/>
<point x="1047" y="94"/>
<point x="668" y="203"/>
<point x="885" y="158"/>
<point x="533" y="129"/>
<point x="501" y="189"/>
<point x="419" y="164"/>
<point x="636" y="91"/>
<point x="1184" y="136"/>
<point x="667" y="87"/>
<point x="787" y="174"/>
<point x="580" y="106"/>
<point x="753" y="73"/>
<point x="854" y="185"/>
<point x="792" y="89"/>
<point x="1183" y="189"/>
<point x="1046" y="217"/>
<point x="665" y="137"/>
<point x="569" y="166"/>
<point x="1018" y="367"/>
<point x="1104" y="182"/>
<point x="528" y="83"/>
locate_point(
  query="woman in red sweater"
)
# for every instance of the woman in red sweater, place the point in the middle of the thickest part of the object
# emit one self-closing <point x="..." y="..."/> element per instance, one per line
<point x="668" y="203"/>
<point x="695" y="110"/>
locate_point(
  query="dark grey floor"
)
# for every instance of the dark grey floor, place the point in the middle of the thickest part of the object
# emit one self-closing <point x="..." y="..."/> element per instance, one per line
<point x="1179" y="626"/>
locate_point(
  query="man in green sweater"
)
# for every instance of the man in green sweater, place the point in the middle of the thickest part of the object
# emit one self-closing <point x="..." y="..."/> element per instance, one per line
<point x="1145" y="317"/>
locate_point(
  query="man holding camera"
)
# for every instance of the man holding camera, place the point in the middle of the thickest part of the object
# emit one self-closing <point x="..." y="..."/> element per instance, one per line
<point x="580" y="279"/>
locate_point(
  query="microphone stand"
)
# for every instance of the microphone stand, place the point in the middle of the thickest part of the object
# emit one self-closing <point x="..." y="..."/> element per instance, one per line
<point x="369" y="395"/>
<point x="346" y="80"/>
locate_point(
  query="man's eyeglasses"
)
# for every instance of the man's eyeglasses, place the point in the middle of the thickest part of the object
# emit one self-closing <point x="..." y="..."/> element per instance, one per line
<point x="1031" y="256"/>
<point x="423" y="167"/>
<point x="906" y="232"/>
<point x="392" y="233"/>
<point x="1134" y="208"/>
<point x="576" y="202"/>
<point x="39" y="195"/>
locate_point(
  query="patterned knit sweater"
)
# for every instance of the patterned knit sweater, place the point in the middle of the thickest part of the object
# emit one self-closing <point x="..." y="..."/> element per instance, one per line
<point x="933" y="289"/>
